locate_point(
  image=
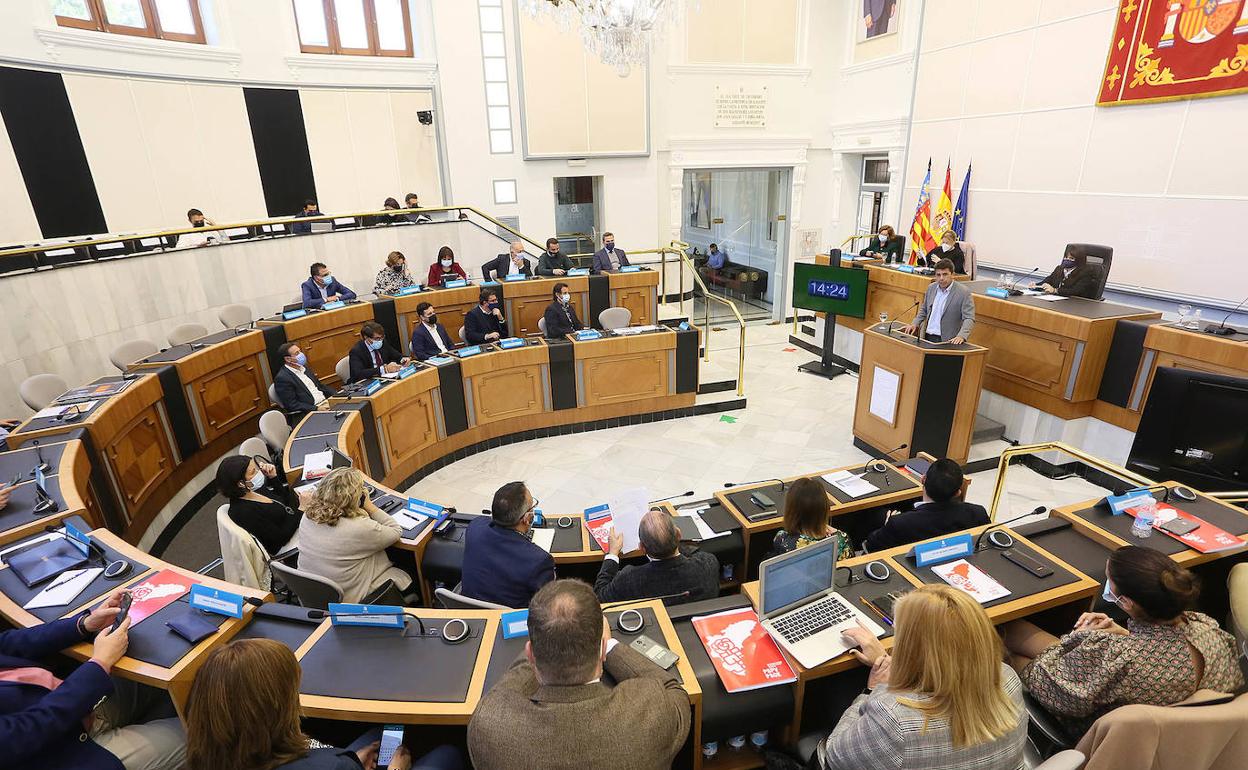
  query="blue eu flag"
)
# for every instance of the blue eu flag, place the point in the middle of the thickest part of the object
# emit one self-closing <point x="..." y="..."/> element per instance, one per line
<point x="959" y="211"/>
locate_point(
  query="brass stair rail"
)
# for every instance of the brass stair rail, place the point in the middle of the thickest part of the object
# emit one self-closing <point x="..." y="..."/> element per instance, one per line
<point x="1003" y="466"/>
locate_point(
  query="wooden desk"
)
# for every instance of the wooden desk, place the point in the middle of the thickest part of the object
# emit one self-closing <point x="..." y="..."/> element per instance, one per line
<point x="527" y="301"/>
<point x="451" y="305"/>
<point x="325" y="336"/>
<point x="889" y="290"/>
<point x="636" y="291"/>
<point x="70" y="473"/>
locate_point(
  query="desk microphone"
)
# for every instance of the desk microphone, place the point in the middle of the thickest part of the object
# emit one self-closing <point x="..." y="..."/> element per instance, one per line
<point x="1165" y="496"/>
<point x="114" y="569"/>
<point x="907" y="310"/>
<point x="881" y="463"/>
<point x="1221" y="330"/>
<point x="339" y="414"/>
<point x="1006" y="541"/>
<point x="672" y="497"/>
<point x="41" y="464"/>
<point x="1014" y="292"/>
<point x="729" y="484"/>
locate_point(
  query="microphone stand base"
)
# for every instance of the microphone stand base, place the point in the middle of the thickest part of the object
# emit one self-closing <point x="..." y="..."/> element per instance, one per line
<point x="823" y="370"/>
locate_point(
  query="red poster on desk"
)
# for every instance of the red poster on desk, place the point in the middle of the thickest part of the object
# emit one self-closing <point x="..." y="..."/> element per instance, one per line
<point x="744" y="654"/>
<point x="1206" y="538"/>
<point x="157" y="592"/>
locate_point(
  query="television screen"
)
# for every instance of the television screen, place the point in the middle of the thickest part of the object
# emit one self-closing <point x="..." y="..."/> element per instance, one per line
<point x="1192" y="430"/>
<point x="830" y="289"/>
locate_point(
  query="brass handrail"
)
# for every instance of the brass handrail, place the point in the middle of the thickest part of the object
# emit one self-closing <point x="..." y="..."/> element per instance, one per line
<point x="1003" y="466"/>
<point x="1238" y="496"/>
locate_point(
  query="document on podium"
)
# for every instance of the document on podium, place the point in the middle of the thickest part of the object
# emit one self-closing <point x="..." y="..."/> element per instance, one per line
<point x="885" y="387"/>
<point x="851" y="484"/>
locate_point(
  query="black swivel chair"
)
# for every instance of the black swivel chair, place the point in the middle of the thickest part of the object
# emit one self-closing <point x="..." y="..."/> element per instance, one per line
<point x="1102" y="257"/>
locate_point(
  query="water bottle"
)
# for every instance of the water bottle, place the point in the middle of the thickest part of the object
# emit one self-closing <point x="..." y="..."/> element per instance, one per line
<point x="1145" y="515"/>
<point x="736" y="742"/>
<point x="709" y="750"/>
<point x="726" y="572"/>
<point x="758" y="740"/>
<point x="1194" y="323"/>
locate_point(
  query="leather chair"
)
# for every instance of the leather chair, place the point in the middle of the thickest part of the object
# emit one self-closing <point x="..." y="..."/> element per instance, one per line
<point x="541" y="325"/>
<point x="452" y="600"/>
<point x="1100" y="256"/>
<point x="343" y="369"/>
<point x="968" y="254"/>
<point x="274" y="430"/>
<point x="254" y="446"/>
<point x="1237" y="590"/>
<point x="242" y="557"/>
<point x="273" y="399"/>
<point x="462" y="338"/>
<point x="185" y="333"/>
<point x="615" y="318"/>
<point x="318" y="593"/>
<point x="133" y="350"/>
<point x="39" y="390"/>
<point x="234" y="316"/>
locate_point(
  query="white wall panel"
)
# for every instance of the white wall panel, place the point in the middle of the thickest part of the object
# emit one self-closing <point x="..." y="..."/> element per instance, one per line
<point x="330" y="145"/>
<point x="225" y="153"/>
<point x="941" y="84"/>
<point x="994" y="17"/>
<point x="1049" y="151"/>
<point x="1061" y="74"/>
<point x="416" y="147"/>
<point x="996" y="68"/>
<point x="1130" y="149"/>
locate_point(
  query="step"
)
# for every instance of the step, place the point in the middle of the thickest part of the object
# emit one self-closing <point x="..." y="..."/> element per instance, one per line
<point x="717" y="397"/>
<point x="986" y="430"/>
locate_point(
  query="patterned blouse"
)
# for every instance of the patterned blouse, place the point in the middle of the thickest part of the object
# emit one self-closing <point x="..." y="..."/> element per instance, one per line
<point x="389" y="281"/>
<point x="1086" y="674"/>
<point x="785" y="541"/>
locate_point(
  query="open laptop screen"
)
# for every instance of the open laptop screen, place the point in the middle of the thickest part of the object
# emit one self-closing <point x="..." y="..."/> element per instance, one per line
<point x="794" y="577"/>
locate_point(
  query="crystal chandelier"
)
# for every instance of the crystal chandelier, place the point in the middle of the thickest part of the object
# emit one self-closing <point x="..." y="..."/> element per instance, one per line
<point x="619" y="32"/>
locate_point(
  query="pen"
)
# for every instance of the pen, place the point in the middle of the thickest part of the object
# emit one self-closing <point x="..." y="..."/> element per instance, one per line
<point x="64" y="579"/>
<point x="876" y="610"/>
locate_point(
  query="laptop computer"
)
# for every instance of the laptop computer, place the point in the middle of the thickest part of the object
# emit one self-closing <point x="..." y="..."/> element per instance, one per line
<point x="799" y="606"/>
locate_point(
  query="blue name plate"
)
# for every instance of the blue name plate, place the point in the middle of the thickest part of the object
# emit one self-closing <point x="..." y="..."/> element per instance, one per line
<point x="406" y="290"/>
<point x="372" y="387"/>
<point x="938" y="551"/>
<point x="376" y="615"/>
<point x="684" y="326"/>
<point x="1118" y="504"/>
<point x="517" y="277"/>
<point x="215" y="600"/>
<point x="290" y="315"/>
<point x="456" y="284"/>
<point x="597" y="512"/>
<point x="333" y="305"/>
<point x="631" y="269"/>
<point x="511" y="342"/>
<point x="998" y="292"/>
<point x="906" y="268"/>
<point x="588" y="334"/>
<point x="75" y="536"/>
<point x="424" y="508"/>
<point x="515" y="623"/>
<point x="469" y="351"/>
<point x="406" y="372"/>
<point x="488" y="283"/>
<point x="439" y="360"/>
<point x="578" y="271"/>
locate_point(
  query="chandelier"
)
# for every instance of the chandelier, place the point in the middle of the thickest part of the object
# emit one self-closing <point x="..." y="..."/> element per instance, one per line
<point x="619" y="32"/>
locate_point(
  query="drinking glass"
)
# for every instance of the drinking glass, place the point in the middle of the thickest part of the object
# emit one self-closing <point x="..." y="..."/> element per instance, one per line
<point x="1185" y="312"/>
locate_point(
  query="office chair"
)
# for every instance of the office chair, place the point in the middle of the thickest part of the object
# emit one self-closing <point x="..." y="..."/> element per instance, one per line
<point x="234" y="316"/>
<point x="254" y="446"/>
<point x="453" y="600"/>
<point x="343" y="369"/>
<point x="130" y="351"/>
<point x="1100" y="256"/>
<point x="462" y="338"/>
<point x="243" y="558"/>
<point x="41" y="389"/>
<point x="615" y="318"/>
<point x="274" y="430"/>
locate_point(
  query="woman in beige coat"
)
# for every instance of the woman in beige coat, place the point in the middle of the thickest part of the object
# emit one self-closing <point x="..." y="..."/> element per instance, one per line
<point x="343" y="537"/>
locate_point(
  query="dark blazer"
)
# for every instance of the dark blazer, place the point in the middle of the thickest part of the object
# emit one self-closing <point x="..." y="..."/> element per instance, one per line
<point x="293" y="396"/>
<point x="1082" y="281"/>
<point x="361" y="360"/>
<point x="557" y="321"/>
<point x="602" y="263"/>
<point x="503" y="566"/>
<point x="273" y="523"/>
<point x="924" y="522"/>
<point x="41" y="728"/>
<point x="954" y="255"/>
<point x="325" y="759"/>
<point x="478" y="324"/>
<point x="312" y="293"/>
<point x="548" y="263"/>
<point x="697" y="573"/>
<point x="893" y="250"/>
<point x="499" y="266"/>
<point x="520" y="723"/>
<point x="300" y="228"/>
<point x="423" y="346"/>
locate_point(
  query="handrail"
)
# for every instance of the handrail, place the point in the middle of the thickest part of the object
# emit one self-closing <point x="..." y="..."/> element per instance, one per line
<point x="1238" y="496"/>
<point x="1003" y="466"/>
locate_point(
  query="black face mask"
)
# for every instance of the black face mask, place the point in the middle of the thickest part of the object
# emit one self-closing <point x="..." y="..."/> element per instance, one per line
<point x="397" y="268"/>
<point x="200" y="223"/>
<point x="431" y="320"/>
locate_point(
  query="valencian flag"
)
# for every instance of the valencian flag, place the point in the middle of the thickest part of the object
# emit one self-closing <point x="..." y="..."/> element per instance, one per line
<point x="944" y="209"/>
<point x="959" y="211"/>
<point x="921" y="240"/>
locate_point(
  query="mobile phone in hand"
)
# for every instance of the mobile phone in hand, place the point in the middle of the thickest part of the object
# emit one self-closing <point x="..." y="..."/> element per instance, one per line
<point x="126" y="599"/>
<point x="391" y="739"/>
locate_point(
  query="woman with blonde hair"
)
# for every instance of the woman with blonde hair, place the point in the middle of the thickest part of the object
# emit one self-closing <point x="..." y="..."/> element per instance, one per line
<point x="394" y="276"/>
<point x="943" y="699"/>
<point x="243" y="714"/>
<point x="343" y="537"/>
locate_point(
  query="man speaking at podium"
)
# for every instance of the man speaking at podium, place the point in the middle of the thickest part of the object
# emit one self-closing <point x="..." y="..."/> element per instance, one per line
<point x="948" y="310"/>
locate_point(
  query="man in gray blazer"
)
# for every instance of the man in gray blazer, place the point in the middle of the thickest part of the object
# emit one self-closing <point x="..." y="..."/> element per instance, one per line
<point x="609" y="258"/>
<point x="948" y="310"/>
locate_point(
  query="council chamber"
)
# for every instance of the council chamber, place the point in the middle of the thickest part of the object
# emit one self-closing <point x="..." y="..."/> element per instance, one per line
<point x="453" y="384"/>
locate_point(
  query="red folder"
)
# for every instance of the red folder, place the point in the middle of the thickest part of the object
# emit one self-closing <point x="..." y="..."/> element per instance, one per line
<point x="1205" y="539"/>
<point x="156" y="593"/>
<point x="744" y="655"/>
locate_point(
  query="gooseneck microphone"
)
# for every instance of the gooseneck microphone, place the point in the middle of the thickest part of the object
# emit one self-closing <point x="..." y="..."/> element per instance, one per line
<point x="41" y="464"/>
<point x="1221" y="330"/>
<point x="1014" y="290"/>
<point x="728" y="484"/>
<point x="883" y="460"/>
<point x="898" y="318"/>
<point x="672" y="497"/>
<point x="1039" y="509"/>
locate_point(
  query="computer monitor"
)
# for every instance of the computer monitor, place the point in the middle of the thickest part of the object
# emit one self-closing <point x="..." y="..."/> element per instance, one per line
<point x="790" y="579"/>
<point x="1192" y="430"/>
<point x="830" y="289"/>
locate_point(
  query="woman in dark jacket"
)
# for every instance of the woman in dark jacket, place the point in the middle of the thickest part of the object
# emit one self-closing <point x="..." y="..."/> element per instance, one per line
<point x="950" y="250"/>
<point x="888" y="245"/>
<point x="1074" y="277"/>
<point x="261" y="501"/>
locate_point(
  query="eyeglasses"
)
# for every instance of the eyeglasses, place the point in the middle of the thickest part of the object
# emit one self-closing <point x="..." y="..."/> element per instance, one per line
<point x="533" y="507"/>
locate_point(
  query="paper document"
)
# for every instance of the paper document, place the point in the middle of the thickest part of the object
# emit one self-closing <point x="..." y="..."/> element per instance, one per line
<point x="885" y="385"/>
<point x="1051" y="298"/>
<point x="851" y="484"/>
<point x="405" y="521"/>
<point x="971" y="579"/>
<point x="57" y="411"/>
<point x="316" y="464"/>
<point x="1030" y="292"/>
<point x="635" y="329"/>
<point x="627" y="508"/>
<point x="64" y="589"/>
<point x="543" y="538"/>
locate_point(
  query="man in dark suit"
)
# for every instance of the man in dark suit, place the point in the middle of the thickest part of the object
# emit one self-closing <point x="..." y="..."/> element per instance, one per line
<point x="560" y="316"/>
<point x="512" y="263"/>
<point x="1074" y="277"/>
<point x="553" y="262"/>
<point x="667" y="570"/>
<point x="551" y="708"/>
<point x="310" y="209"/>
<point x="485" y="322"/>
<point x="501" y="563"/>
<point x="371" y="356"/>
<point x="609" y="258"/>
<point x="941" y="512"/>
<point x="42" y="717"/>
<point x="299" y="391"/>
<point x="323" y="287"/>
<point x="429" y="338"/>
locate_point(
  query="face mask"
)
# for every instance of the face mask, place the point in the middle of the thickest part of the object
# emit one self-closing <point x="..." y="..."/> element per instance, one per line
<point x="1068" y="263"/>
<point x="397" y="268"/>
<point x="883" y="237"/>
<point x="493" y="304"/>
<point x="431" y="320"/>
<point x="256" y="481"/>
<point x="302" y="359"/>
<point x="565" y="298"/>
<point x="1108" y="595"/>
<point x="610" y="245"/>
<point x="446" y="263"/>
<point x="200" y="223"/>
<point x="327" y="280"/>
<point x="374" y="344"/>
<point x="946" y="247"/>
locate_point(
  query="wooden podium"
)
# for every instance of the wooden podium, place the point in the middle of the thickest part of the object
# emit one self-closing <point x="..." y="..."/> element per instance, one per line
<point x="918" y="393"/>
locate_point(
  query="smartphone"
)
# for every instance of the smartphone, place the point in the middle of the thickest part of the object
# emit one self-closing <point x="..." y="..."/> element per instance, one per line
<point x="1179" y="526"/>
<point x="126" y="599"/>
<point x="391" y="738"/>
<point x="1034" y="566"/>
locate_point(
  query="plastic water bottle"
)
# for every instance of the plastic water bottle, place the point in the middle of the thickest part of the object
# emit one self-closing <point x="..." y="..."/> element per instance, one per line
<point x="758" y="740"/>
<point x="710" y="749"/>
<point x="1145" y="515"/>
<point x="736" y="742"/>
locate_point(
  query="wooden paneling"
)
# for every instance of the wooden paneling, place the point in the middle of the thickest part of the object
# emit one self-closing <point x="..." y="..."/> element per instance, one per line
<point x="1030" y="357"/>
<point x="639" y="300"/>
<point x="408" y="428"/>
<point x="140" y="457"/>
<point x="327" y="337"/>
<point x="627" y="378"/>
<point x="506" y="393"/>
<point x="229" y="396"/>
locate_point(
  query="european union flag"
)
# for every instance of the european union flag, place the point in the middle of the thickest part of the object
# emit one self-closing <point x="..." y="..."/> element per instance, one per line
<point x="959" y="211"/>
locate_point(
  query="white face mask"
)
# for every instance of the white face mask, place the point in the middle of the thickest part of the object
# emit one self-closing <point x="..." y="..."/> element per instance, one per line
<point x="946" y="247"/>
<point x="883" y="237"/>
<point x="565" y="298"/>
<point x="256" y="481"/>
<point x="447" y="262"/>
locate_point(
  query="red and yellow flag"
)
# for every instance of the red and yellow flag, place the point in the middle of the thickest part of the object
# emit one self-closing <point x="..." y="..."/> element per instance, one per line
<point x="944" y="210"/>
<point x="921" y="240"/>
